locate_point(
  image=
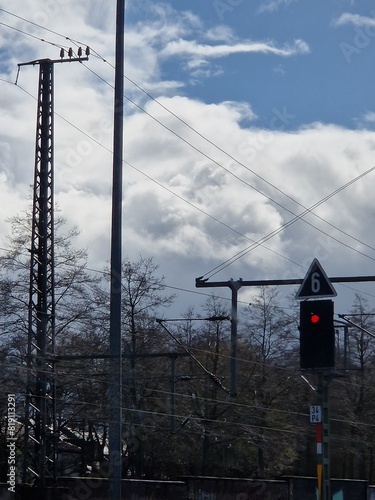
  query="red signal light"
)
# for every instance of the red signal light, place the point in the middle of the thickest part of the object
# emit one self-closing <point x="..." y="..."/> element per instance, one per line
<point x="315" y="318"/>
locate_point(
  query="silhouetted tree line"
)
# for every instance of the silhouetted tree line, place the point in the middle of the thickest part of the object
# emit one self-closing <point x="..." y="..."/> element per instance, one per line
<point x="177" y="418"/>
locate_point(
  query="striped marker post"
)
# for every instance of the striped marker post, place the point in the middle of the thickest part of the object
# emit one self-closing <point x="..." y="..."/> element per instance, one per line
<point x="319" y="453"/>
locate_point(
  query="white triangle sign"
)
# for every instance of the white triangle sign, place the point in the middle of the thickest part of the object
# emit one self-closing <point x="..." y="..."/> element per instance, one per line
<point x="316" y="283"/>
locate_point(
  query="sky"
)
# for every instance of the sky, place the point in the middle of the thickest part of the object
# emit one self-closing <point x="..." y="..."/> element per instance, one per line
<point x="249" y="135"/>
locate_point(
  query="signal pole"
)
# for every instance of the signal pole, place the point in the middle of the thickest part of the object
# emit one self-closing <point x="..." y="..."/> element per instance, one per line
<point x="316" y="285"/>
<point x="40" y="435"/>
<point x="324" y="461"/>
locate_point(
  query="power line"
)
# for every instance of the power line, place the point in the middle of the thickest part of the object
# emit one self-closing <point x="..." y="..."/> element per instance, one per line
<point x="337" y="240"/>
<point x="177" y="117"/>
<point x="297" y="217"/>
<point x="31" y="36"/>
<point x="272" y="233"/>
<point x="300" y="216"/>
<point x="165" y="187"/>
<point x="214" y="401"/>
<point x="246" y="250"/>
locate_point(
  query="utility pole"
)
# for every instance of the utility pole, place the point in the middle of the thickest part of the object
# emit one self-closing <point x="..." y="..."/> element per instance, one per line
<point x="115" y="388"/>
<point x="40" y="434"/>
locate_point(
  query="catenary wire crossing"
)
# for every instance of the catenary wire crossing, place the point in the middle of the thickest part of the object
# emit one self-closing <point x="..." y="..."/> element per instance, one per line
<point x="211" y="142"/>
<point x="254" y="244"/>
<point x="277" y="230"/>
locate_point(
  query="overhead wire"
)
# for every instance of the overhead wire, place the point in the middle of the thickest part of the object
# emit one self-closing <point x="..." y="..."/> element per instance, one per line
<point x="238" y="162"/>
<point x="194" y="291"/>
<point x="80" y="377"/>
<point x="214" y="401"/>
<point x="284" y="193"/>
<point x="271" y="367"/>
<point x="163" y="186"/>
<point x="32" y="36"/>
<point x="248" y="249"/>
<point x="273" y="233"/>
<point x="268" y="236"/>
<point x="297" y="217"/>
<point x="306" y="209"/>
<point x="90" y="378"/>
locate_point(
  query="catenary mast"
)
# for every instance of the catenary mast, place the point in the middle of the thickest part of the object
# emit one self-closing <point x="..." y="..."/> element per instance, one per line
<point x="40" y="434"/>
<point x="40" y="424"/>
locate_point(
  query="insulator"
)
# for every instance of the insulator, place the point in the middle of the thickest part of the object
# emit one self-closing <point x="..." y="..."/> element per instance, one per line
<point x="87" y="50"/>
<point x="79" y="51"/>
<point x="62" y="53"/>
<point x="70" y="52"/>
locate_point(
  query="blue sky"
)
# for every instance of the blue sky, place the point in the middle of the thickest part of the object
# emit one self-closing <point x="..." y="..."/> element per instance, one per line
<point x="327" y="80"/>
<point x="248" y="125"/>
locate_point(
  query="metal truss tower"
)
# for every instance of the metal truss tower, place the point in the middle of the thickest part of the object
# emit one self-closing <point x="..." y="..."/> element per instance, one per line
<point x="40" y="424"/>
<point x="41" y="433"/>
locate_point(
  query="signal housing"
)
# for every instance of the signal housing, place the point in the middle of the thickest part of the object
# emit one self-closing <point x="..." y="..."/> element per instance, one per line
<point x="317" y="334"/>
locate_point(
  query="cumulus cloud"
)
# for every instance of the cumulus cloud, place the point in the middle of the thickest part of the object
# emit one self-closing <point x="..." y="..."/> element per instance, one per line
<point x="202" y="180"/>
<point x="224" y="205"/>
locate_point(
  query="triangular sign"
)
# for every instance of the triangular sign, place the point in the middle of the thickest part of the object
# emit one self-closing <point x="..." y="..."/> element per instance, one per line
<point x="316" y="284"/>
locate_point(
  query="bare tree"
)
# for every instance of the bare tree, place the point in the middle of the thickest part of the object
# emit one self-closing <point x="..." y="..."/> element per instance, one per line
<point x="355" y="403"/>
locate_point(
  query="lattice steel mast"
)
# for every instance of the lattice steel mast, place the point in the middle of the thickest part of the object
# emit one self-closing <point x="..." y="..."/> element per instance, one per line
<point x="40" y="426"/>
<point x="40" y="437"/>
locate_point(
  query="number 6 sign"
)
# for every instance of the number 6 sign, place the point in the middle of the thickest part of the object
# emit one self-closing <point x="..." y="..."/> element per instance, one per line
<point x="316" y="284"/>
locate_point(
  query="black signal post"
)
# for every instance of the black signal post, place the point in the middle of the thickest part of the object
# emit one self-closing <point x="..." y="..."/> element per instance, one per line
<point x="317" y="353"/>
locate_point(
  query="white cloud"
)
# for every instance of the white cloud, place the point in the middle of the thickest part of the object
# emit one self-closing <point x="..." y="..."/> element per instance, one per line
<point x="186" y="202"/>
<point x="168" y="35"/>
<point x="220" y="33"/>
<point x="307" y="165"/>
<point x="273" y="5"/>
<point x="355" y="20"/>
<point x="369" y="117"/>
<point x="193" y="48"/>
